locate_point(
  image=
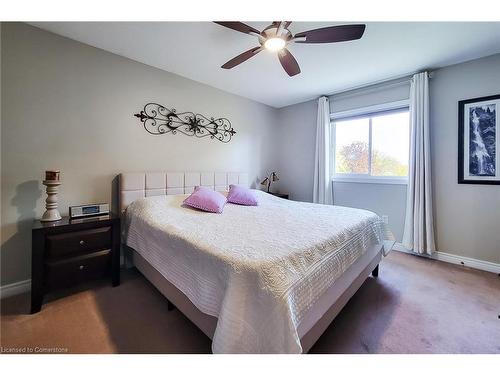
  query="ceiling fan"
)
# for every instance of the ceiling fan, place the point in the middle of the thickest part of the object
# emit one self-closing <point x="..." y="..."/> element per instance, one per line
<point x="277" y="36"/>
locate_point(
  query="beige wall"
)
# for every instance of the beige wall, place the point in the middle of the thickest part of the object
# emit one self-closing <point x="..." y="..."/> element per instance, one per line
<point x="297" y="127"/>
<point x="467" y="217"/>
<point x="70" y="106"/>
<point x="0" y="123"/>
<point x="297" y="124"/>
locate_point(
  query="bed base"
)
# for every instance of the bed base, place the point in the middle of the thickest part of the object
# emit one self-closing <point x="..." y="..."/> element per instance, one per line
<point x="317" y="319"/>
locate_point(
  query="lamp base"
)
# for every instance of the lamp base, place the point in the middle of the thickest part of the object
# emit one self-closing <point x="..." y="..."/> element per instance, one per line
<point x="51" y="215"/>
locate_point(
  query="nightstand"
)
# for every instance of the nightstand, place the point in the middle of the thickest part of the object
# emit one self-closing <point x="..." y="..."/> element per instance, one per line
<point x="71" y="251"/>
<point x="280" y="195"/>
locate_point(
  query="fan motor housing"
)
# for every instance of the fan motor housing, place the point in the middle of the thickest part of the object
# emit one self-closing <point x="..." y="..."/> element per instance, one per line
<point x="271" y="31"/>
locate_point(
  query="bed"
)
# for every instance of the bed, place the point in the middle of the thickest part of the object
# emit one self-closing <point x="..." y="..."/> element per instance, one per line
<point x="263" y="279"/>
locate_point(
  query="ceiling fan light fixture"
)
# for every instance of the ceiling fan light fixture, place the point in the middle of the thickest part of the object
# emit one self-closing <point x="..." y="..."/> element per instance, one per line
<point x="274" y="44"/>
<point x="277" y="36"/>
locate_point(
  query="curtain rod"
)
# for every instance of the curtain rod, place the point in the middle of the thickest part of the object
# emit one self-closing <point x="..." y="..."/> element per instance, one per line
<point x="377" y="85"/>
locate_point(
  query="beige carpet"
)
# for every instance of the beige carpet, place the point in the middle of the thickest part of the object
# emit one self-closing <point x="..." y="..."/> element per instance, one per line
<point x="415" y="306"/>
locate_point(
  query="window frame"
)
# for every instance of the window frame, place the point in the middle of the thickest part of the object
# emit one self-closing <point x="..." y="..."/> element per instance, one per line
<point x="364" y="112"/>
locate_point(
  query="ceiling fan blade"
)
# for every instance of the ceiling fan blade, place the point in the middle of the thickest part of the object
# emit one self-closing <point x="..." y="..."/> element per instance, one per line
<point x="288" y="62"/>
<point x="332" y="34"/>
<point x="241" y="58"/>
<point x="238" y="26"/>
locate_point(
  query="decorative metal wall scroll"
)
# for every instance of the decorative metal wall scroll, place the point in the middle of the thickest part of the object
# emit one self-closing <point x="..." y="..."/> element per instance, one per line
<point x="158" y="120"/>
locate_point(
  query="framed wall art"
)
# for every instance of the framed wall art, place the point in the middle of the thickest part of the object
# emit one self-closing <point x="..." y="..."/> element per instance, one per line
<point x="479" y="140"/>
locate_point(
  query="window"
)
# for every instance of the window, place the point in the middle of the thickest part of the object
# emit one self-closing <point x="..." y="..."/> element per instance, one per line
<point x="371" y="146"/>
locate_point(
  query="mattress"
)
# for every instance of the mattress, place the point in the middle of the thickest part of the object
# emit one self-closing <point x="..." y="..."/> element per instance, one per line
<point x="257" y="269"/>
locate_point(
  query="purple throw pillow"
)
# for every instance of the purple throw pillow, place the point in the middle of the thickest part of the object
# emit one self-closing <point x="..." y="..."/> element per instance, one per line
<point x="206" y="199"/>
<point x="242" y="195"/>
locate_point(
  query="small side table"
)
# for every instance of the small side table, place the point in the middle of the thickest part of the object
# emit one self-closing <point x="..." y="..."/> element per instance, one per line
<point x="280" y="195"/>
<point x="68" y="252"/>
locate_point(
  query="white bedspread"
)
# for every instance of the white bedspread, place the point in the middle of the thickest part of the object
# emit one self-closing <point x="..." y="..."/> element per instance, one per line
<point x="258" y="269"/>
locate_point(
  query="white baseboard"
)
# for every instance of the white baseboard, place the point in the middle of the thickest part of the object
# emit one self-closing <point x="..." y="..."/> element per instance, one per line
<point x="455" y="259"/>
<point x="15" y="288"/>
<point x="25" y="285"/>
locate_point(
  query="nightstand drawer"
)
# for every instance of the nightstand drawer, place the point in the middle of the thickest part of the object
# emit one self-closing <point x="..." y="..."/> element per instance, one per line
<point x="78" y="269"/>
<point x="60" y="245"/>
<point x="67" y="252"/>
<point x="280" y="195"/>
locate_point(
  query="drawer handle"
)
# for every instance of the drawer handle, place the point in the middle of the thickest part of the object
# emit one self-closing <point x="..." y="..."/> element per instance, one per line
<point x="81" y="267"/>
<point x="82" y="242"/>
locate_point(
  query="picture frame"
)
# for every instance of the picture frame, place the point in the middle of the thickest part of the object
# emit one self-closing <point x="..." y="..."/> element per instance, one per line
<point x="479" y="140"/>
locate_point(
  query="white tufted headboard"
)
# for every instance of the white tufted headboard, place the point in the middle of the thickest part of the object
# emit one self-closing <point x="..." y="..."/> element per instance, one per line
<point x="145" y="184"/>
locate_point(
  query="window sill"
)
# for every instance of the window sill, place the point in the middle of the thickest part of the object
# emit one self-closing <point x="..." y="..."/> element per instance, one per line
<point x="373" y="180"/>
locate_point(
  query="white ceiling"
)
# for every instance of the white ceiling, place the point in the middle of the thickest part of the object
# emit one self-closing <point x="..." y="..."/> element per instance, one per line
<point x="196" y="50"/>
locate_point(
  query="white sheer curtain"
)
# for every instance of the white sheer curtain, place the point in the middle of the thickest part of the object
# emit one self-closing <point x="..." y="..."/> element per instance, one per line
<point x="322" y="192"/>
<point x="419" y="223"/>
